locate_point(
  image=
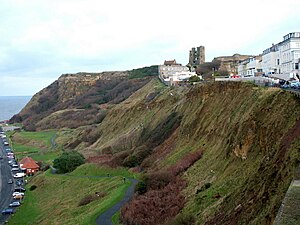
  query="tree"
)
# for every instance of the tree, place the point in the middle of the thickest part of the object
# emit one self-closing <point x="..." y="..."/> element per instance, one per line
<point x="194" y="78"/>
<point x="68" y="161"/>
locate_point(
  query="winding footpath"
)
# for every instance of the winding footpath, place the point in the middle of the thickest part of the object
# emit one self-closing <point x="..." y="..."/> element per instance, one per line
<point x="105" y="218"/>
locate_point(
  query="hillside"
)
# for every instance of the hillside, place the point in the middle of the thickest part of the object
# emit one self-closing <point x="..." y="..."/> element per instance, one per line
<point x="221" y="153"/>
<point x="248" y="136"/>
<point x="81" y="97"/>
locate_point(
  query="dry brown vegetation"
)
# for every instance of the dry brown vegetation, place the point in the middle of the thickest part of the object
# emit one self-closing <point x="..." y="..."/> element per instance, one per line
<point x="163" y="198"/>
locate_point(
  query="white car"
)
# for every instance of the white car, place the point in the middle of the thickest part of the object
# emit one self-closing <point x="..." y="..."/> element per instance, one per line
<point x="19" y="175"/>
<point x="17" y="193"/>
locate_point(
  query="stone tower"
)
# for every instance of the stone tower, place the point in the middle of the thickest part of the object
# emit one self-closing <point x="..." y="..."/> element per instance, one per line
<point x="197" y="56"/>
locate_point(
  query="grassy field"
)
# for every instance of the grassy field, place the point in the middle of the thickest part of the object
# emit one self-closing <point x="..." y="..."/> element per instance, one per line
<point x="37" y="145"/>
<point x="56" y="198"/>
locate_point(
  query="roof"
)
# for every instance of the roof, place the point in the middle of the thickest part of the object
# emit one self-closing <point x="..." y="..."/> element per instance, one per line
<point x="28" y="163"/>
<point x="170" y="62"/>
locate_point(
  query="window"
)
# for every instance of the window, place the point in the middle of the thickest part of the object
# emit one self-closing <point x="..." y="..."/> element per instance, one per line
<point x="278" y="61"/>
<point x="296" y="66"/>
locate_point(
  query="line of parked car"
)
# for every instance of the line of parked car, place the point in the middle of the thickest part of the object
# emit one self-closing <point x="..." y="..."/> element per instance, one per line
<point x="290" y="84"/>
<point x="18" y="175"/>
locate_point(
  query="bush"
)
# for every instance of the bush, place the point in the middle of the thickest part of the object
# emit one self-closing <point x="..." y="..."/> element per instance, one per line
<point x="33" y="187"/>
<point x="155" y="206"/>
<point x="193" y="79"/>
<point x="90" y="198"/>
<point x="68" y="161"/>
<point x="141" y="187"/>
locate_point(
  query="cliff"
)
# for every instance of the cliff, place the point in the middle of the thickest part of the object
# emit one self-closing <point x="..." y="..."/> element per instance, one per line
<point x="74" y="97"/>
<point x="220" y="153"/>
<point x="237" y="147"/>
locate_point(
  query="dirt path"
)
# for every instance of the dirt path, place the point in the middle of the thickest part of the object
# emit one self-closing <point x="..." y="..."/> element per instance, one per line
<point x="105" y="218"/>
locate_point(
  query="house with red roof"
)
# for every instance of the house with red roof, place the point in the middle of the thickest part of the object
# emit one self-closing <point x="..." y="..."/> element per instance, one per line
<point x="29" y="165"/>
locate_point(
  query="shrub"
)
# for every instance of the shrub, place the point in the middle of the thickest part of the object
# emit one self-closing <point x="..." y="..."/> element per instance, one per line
<point x="186" y="162"/>
<point x="158" y="180"/>
<point x="33" y="187"/>
<point x="90" y="198"/>
<point x="141" y="187"/>
<point x="194" y="79"/>
<point x="68" y="161"/>
<point x="155" y="206"/>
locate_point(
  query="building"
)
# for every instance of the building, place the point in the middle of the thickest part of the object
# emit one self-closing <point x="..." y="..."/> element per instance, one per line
<point x="28" y="165"/>
<point x="284" y="57"/>
<point x="230" y="63"/>
<point x="170" y="68"/>
<point x="172" y="73"/>
<point x="197" y="56"/>
<point x="250" y="67"/>
<point x="269" y="60"/>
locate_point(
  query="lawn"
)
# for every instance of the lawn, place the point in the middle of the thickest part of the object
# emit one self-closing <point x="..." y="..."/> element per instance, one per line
<point x="37" y="145"/>
<point x="43" y="136"/>
<point x="56" y="198"/>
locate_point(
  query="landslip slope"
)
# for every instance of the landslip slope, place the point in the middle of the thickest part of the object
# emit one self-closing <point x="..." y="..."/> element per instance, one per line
<point x="248" y="138"/>
<point x="220" y="153"/>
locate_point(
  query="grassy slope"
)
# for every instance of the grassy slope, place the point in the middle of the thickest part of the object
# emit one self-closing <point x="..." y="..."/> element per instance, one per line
<point x="56" y="198"/>
<point x="34" y="144"/>
<point x="241" y="129"/>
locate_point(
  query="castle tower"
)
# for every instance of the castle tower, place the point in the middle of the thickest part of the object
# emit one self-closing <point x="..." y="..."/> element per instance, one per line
<point x="197" y="56"/>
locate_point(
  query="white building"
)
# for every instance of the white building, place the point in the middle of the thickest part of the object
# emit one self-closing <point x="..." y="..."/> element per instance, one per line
<point x="290" y="53"/>
<point x="169" y="69"/>
<point x="250" y="67"/>
<point x="284" y="57"/>
<point x="269" y="60"/>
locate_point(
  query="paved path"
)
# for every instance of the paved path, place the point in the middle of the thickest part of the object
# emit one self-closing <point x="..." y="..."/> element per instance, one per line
<point x="105" y="218"/>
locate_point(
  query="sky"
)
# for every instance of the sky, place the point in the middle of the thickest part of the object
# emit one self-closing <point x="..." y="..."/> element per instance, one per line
<point x="42" y="39"/>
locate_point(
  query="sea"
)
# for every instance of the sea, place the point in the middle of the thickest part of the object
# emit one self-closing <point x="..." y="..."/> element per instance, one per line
<point x="11" y="105"/>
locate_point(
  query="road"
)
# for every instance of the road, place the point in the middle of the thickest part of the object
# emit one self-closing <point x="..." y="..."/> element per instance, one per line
<point x="6" y="189"/>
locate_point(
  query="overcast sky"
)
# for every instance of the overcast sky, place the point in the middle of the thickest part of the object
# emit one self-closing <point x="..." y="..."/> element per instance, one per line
<point x="42" y="39"/>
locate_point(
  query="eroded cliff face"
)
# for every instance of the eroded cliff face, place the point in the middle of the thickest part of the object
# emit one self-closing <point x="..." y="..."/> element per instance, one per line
<point x="246" y="134"/>
<point x="72" y="85"/>
<point x="77" y="99"/>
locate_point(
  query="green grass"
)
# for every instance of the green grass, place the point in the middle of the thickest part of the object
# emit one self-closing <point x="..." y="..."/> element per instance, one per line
<point x="36" y="145"/>
<point x="44" y="136"/>
<point x="116" y="219"/>
<point x="94" y="170"/>
<point x="56" y="198"/>
<point x="27" y="212"/>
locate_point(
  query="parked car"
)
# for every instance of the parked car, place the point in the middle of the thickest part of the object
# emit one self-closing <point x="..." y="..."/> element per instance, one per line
<point x="19" y="182"/>
<point x="14" y="170"/>
<point x="19" y="175"/>
<point x="10" y="181"/>
<point x="14" y="204"/>
<point x="20" y="189"/>
<point x="17" y="193"/>
<point x="8" y="211"/>
<point x="18" y="196"/>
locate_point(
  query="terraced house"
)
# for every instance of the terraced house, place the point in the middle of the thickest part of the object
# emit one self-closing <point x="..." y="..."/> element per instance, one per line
<point x="283" y="57"/>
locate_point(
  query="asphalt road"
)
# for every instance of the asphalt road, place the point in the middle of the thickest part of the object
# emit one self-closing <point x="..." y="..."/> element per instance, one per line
<point x="6" y="189"/>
